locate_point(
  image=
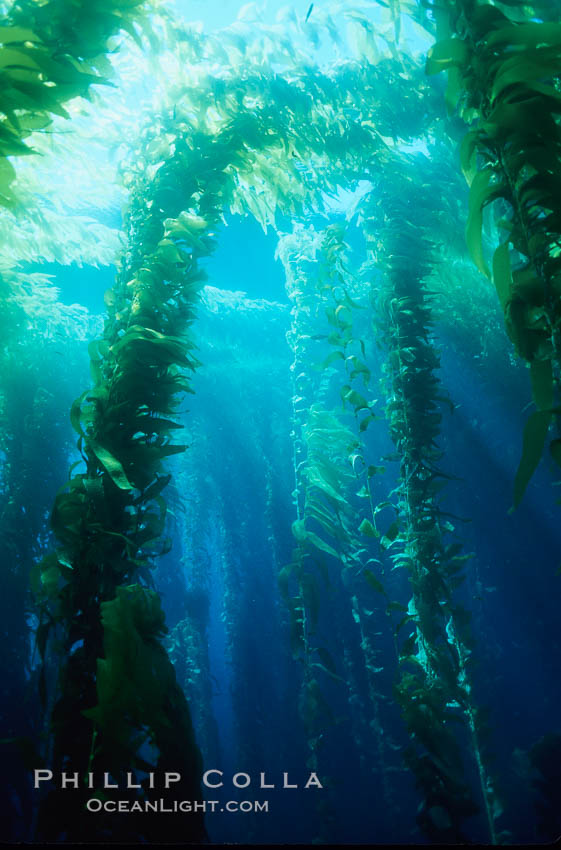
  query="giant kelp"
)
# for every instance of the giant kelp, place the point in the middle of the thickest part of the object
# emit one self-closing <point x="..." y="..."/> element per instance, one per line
<point x="337" y="554"/>
<point x="249" y="126"/>
<point x="434" y="684"/>
<point x="503" y="66"/>
<point x="111" y="517"/>
<point x="52" y="52"/>
<point x="122" y="447"/>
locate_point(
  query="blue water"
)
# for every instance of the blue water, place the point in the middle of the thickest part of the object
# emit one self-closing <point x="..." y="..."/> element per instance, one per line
<point x="240" y="458"/>
<point x="226" y="584"/>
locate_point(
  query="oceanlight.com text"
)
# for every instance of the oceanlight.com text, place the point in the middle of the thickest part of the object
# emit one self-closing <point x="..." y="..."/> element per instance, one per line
<point x="175" y="806"/>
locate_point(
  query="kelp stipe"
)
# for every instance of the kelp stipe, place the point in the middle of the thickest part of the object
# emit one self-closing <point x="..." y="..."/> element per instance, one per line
<point x="109" y="523"/>
<point x="332" y="556"/>
<point x="317" y="477"/>
<point x="434" y="685"/>
<point x="48" y="58"/>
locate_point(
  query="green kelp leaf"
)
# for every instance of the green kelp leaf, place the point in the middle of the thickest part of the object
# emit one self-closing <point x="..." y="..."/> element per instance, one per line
<point x="343" y="315"/>
<point x="357" y="367"/>
<point x="20" y="57"/>
<point x="316" y="479"/>
<point x="480" y="192"/>
<point x="367" y="528"/>
<point x="7" y="176"/>
<point x="356" y="399"/>
<point x="530" y="34"/>
<point x="502" y="275"/>
<point x="10" y="144"/>
<point x="303" y="536"/>
<point x="317" y="510"/>
<point x="49" y="581"/>
<point x="454" y="88"/>
<point x="157" y="425"/>
<point x="402" y="561"/>
<point x="390" y="535"/>
<point x="535" y="433"/>
<point x="76" y="413"/>
<point x="168" y="252"/>
<point x="331" y="358"/>
<point x="373" y="581"/>
<point x="446" y="54"/>
<point x="132" y="679"/>
<point x="10" y="35"/>
<point x="320" y="544"/>
<point x="166" y="348"/>
<point x="382" y="505"/>
<point x="155" y="488"/>
<point x="64" y="560"/>
<point x="98" y="350"/>
<point x="112" y="466"/>
<point x="541" y="373"/>
<point x="341" y="340"/>
<point x="523" y="68"/>
<point x="328" y="525"/>
<point x="299" y="530"/>
<point x="412" y="659"/>
<point x="353" y="458"/>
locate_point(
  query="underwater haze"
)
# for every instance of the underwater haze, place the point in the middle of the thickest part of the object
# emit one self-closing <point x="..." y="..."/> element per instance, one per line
<point x="280" y="446"/>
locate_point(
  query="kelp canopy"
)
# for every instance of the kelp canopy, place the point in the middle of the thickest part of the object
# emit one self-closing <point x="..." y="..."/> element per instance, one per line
<point x="331" y="564"/>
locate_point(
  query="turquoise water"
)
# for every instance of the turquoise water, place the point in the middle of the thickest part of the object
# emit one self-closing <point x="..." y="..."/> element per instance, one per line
<point x="278" y="488"/>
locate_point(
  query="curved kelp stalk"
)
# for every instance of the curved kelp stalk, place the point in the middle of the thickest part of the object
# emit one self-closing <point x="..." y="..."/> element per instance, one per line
<point x="239" y="141"/>
<point x="504" y="66"/>
<point x="111" y="517"/>
<point x="434" y="687"/>
<point x="109" y="521"/>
